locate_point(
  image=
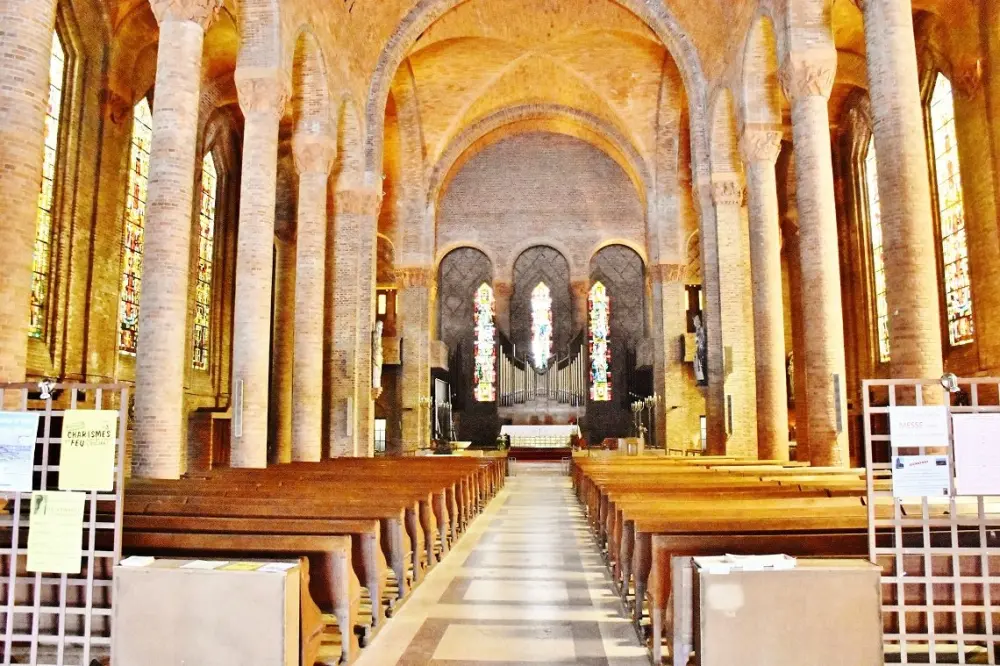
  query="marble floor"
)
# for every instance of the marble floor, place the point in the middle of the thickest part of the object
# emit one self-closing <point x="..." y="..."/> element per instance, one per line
<point x="525" y="585"/>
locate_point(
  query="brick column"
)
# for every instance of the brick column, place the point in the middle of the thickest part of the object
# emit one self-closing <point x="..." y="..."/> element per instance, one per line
<point x="283" y="348"/>
<point x="354" y="316"/>
<point x="733" y="368"/>
<point x="313" y="159"/>
<point x="160" y="428"/>
<point x="413" y="308"/>
<point x="807" y="79"/>
<point x="907" y="217"/>
<point x="760" y="150"/>
<point x="25" y="50"/>
<point x="262" y="96"/>
<point x="669" y="326"/>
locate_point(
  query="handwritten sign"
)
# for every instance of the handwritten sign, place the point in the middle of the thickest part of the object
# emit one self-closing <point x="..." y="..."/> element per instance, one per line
<point x="55" y="533"/>
<point x="977" y="454"/>
<point x="17" y="450"/>
<point x="921" y="476"/>
<point x="87" y="457"/>
<point x="919" y="426"/>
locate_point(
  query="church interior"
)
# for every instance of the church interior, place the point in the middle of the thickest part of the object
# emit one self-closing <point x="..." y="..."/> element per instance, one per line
<point x="493" y="317"/>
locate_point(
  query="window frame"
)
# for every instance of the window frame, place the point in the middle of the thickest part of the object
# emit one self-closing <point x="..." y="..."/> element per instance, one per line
<point x="928" y="86"/>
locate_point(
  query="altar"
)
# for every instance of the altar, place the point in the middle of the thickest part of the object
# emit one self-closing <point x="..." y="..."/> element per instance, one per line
<point x="540" y="436"/>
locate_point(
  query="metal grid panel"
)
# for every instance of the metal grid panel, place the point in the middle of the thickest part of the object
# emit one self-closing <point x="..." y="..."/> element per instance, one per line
<point x="940" y="557"/>
<point x="59" y="619"/>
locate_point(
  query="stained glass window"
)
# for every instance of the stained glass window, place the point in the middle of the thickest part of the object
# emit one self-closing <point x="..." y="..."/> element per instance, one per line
<point x="486" y="345"/>
<point x="42" y="253"/>
<point x="951" y="208"/>
<point x="206" y="248"/>
<point x="541" y="325"/>
<point x="135" y="218"/>
<point x="600" y="352"/>
<point x="878" y="256"/>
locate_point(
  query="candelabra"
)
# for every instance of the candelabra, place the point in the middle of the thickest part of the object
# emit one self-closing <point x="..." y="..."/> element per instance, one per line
<point x="648" y="404"/>
<point x="637" y="408"/>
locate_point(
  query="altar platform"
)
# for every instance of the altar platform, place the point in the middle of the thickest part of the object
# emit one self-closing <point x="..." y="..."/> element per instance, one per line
<point x="540" y="436"/>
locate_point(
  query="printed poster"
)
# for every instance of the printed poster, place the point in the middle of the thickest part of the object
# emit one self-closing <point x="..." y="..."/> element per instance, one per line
<point x="55" y="532"/>
<point x="87" y="456"/>
<point x="17" y="450"/>
<point x="921" y="476"/>
<point x="919" y="426"/>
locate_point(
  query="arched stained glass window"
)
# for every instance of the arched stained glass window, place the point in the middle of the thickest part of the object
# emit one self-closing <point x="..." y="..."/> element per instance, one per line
<point x="135" y="218"/>
<point x="486" y="346"/>
<point x="600" y="350"/>
<point x="42" y="254"/>
<point x="206" y="249"/>
<point x="878" y="256"/>
<point x="951" y="210"/>
<point x="541" y="325"/>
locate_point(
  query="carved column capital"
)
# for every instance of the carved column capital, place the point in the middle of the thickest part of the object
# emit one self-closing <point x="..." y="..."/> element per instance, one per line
<point x="728" y="192"/>
<point x="408" y="277"/>
<point x="312" y="154"/>
<point x="202" y="12"/>
<point x="261" y="90"/>
<point x="665" y="273"/>
<point x="358" y="201"/>
<point x="759" y="145"/>
<point x="808" y="74"/>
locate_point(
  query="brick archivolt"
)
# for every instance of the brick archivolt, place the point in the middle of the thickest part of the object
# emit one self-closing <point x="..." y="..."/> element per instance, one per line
<point x="202" y="12"/>
<point x="808" y="74"/>
<point x="665" y="273"/>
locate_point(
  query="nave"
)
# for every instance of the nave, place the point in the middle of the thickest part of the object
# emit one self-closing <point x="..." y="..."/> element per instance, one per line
<point x="525" y="585"/>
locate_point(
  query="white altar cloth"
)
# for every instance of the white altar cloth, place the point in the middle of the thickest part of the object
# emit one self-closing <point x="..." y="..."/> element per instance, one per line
<point x="540" y="436"/>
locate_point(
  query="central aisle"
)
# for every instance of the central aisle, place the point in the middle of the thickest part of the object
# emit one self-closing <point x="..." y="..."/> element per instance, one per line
<point x="525" y="585"/>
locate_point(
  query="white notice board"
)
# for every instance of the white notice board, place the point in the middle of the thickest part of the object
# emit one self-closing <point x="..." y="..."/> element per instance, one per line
<point x="977" y="454"/>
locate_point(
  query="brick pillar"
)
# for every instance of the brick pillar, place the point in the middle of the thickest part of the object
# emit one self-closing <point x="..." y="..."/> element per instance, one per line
<point x="502" y="291"/>
<point x="160" y="427"/>
<point x="733" y="368"/>
<point x="715" y="392"/>
<point x="354" y="316"/>
<point x="907" y="218"/>
<point x="807" y="79"/>
<point x="25" y="50"/>
<point x="760" y="152"/>
<point x="283" y="348"/>
<point x="262" y="96"/>
<point x="669" y="326"/>
<point x="412" y="306"/>
<point x="313" y="159"/>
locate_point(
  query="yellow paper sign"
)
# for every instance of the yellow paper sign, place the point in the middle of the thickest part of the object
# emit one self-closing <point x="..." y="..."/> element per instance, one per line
<point x="55" y="533"/>
<point x="87" y="457"/>
<point x="243" y="566"/>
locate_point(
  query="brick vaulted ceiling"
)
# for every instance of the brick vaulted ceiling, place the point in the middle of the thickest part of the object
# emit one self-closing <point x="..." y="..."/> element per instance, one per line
<point x="488" y="55"/>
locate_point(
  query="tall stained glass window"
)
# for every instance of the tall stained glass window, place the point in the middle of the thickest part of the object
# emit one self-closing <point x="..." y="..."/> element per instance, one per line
<point x="951" y="209"/>
<point x="135" y="218"/>
<point x="878" y="256"/>
<point x="42" y="254"/>
<point x="541" y="325"/>
<point x="600" y="352"/>
<point x="206" y="249"/>
<point x="486" y="346"/>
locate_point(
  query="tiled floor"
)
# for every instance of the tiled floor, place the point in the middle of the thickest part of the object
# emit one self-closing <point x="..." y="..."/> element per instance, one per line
<point x="525" y="585"/>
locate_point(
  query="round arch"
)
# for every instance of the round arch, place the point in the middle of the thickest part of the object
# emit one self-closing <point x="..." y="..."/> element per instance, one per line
<point x="656" y="16"/>
<point x="490" y="129"/>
